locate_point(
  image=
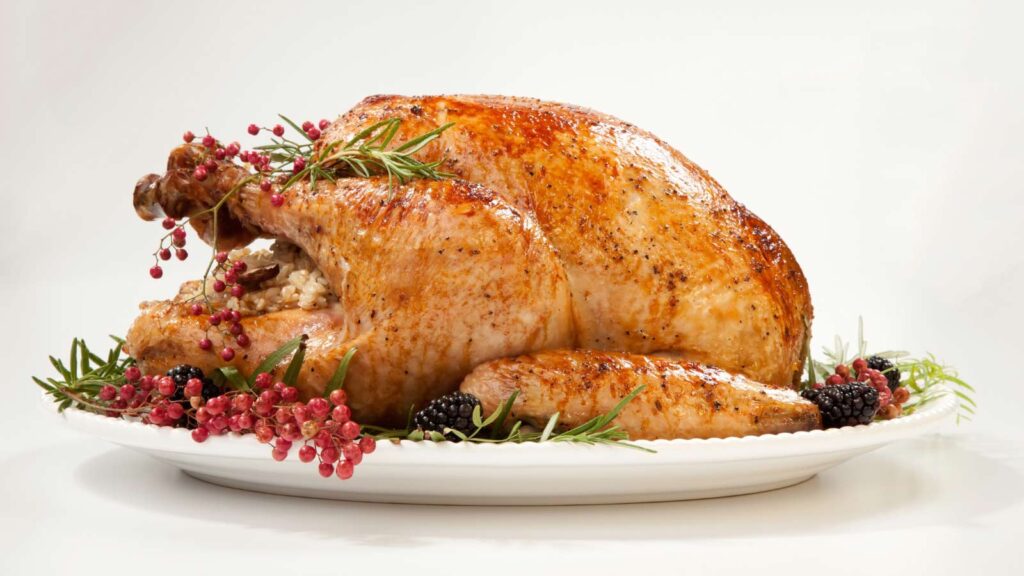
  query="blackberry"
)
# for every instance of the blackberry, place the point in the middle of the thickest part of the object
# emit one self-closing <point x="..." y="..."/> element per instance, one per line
<point x="891" y="373"/>
<point x="844" y="404"/>
<point x="181" y="374"/>
<point x="453" y="410"/>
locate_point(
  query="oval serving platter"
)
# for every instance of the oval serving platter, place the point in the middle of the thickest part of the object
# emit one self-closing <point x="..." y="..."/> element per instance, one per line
<point x="522" y="474"/>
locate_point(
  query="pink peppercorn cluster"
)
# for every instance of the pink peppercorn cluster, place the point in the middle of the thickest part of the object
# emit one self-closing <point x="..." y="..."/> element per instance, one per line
<point x="890" y="401"/>
<point x="174" y="238"/>
<point x="322" y="427"/>
<point x="226" y="274"/>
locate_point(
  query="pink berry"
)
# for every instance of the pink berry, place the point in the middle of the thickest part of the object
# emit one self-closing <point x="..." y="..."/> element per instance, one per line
<point x="132" y="374"/>
<point x="193" y="387"/>
<point x="241" y="403"/>
<point x="166" y="386"/>
<point x="276" y="200"/>
<point x="156" y="271"/>
<point x="245" y="420"/>
<point x="265" y="186"/>
<point x="227" y="354"/>
<point x="263" y="380"/>
<point x="181" y="254"/>
<point x="324" y="124"/>
<point x="323" y="439"/>
<point x="330" y="454"/>
<point x="283" y="444"/>
<point x="164" y="254"/>
<point x="235" y="329"/>
<point x="221" y="257"/>
<point x="231" y="276"/>
<point x="203" y="415"/>
<point x="338" y="397"/>
<point x="196" y="309"/>
<point x="217" y="405"/>
<point x="200" y="434"/>
<point x="279" y="455"/>
<point x="199" y="173"/>
<point x="219" y="153"/>
<point x="306" y="126"/>
<point x="352" y="451"/>
<point x="209" y="141"/>
<point x="234" y="315"/>
<point x="219" y="286"/>
<point x="367" y="444"/>
<point x="263" y="433"/>
<point x="319" y="407"/>
<point x="278" y="130"/>
<point x="253" y="129"/>
<point x="214" y="319"/>
<point x="232" y="149"/>
<point x="175" y="411"/>
<point x="307" y="453"/>
<point x="211" y="165"/>
<point x="188" y="136"/>
<point x="299" y="164"/>
<point x="205" y="344"/>
<point x="289" y="394"/>
<point x="357" y="457"/>
<point x="238" y="290"/>
<point x="313" y="133"/>
<point x="341" y="414"/>
<point x="345" y="470"/>
<point x="168" y="223"/>
<point x="349" y="430"/>
<point x="107" y="392"/>
<point x="325" y="469"/>
<point x="243" y="340"/>
<point x="147" y="383"/>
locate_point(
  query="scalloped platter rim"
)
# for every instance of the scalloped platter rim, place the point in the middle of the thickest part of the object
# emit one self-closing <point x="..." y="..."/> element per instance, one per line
<point x="522" y="474"/>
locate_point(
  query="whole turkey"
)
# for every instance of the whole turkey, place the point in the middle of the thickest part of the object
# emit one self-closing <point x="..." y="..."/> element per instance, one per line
<point x="563" y="230"/>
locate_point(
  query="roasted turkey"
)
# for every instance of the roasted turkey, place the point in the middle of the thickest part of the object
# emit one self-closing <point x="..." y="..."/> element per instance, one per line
<point x="564" y="230"/>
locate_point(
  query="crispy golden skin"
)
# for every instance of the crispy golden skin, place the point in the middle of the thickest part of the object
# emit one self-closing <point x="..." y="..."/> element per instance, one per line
<point x="680" y="399"/>
<point x="658" y="255"/>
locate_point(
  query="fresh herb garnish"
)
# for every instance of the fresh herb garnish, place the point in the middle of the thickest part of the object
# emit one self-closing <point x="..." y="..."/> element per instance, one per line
<point x="365" y="154"/>
<point x="492" y="430"/>
<point x="85" y="373"/>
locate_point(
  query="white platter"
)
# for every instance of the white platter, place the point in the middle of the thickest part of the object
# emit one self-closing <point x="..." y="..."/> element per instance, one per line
<point x="522" y="474"/>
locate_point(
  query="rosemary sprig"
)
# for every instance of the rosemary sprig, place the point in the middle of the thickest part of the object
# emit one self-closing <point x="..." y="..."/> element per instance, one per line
<point x="365" y="154"/>
<point x="81" y="378"/>
<point x="921" y="375"/>
<point x="492" y="430"/>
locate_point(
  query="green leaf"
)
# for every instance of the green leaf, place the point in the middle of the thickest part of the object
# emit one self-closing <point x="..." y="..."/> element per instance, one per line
<point x="274" y="358"/>
<point x="476" y="417"/>
<point x="295" y="127"/>
<point x="338" y="379"/>
<point x="497" y="419"/>
<point x="549" y="428"/>
<point x="234" y="378"/>
<point x="291" y="375"/>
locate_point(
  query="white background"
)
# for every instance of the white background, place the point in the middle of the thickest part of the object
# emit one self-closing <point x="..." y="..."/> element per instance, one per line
<point x="881" y="139"/>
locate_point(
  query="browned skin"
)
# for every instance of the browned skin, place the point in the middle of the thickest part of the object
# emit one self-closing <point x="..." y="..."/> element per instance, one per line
<point x="586" y="233"/>
<point x="680" y="399"/>
<point x="659" y="257"/>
